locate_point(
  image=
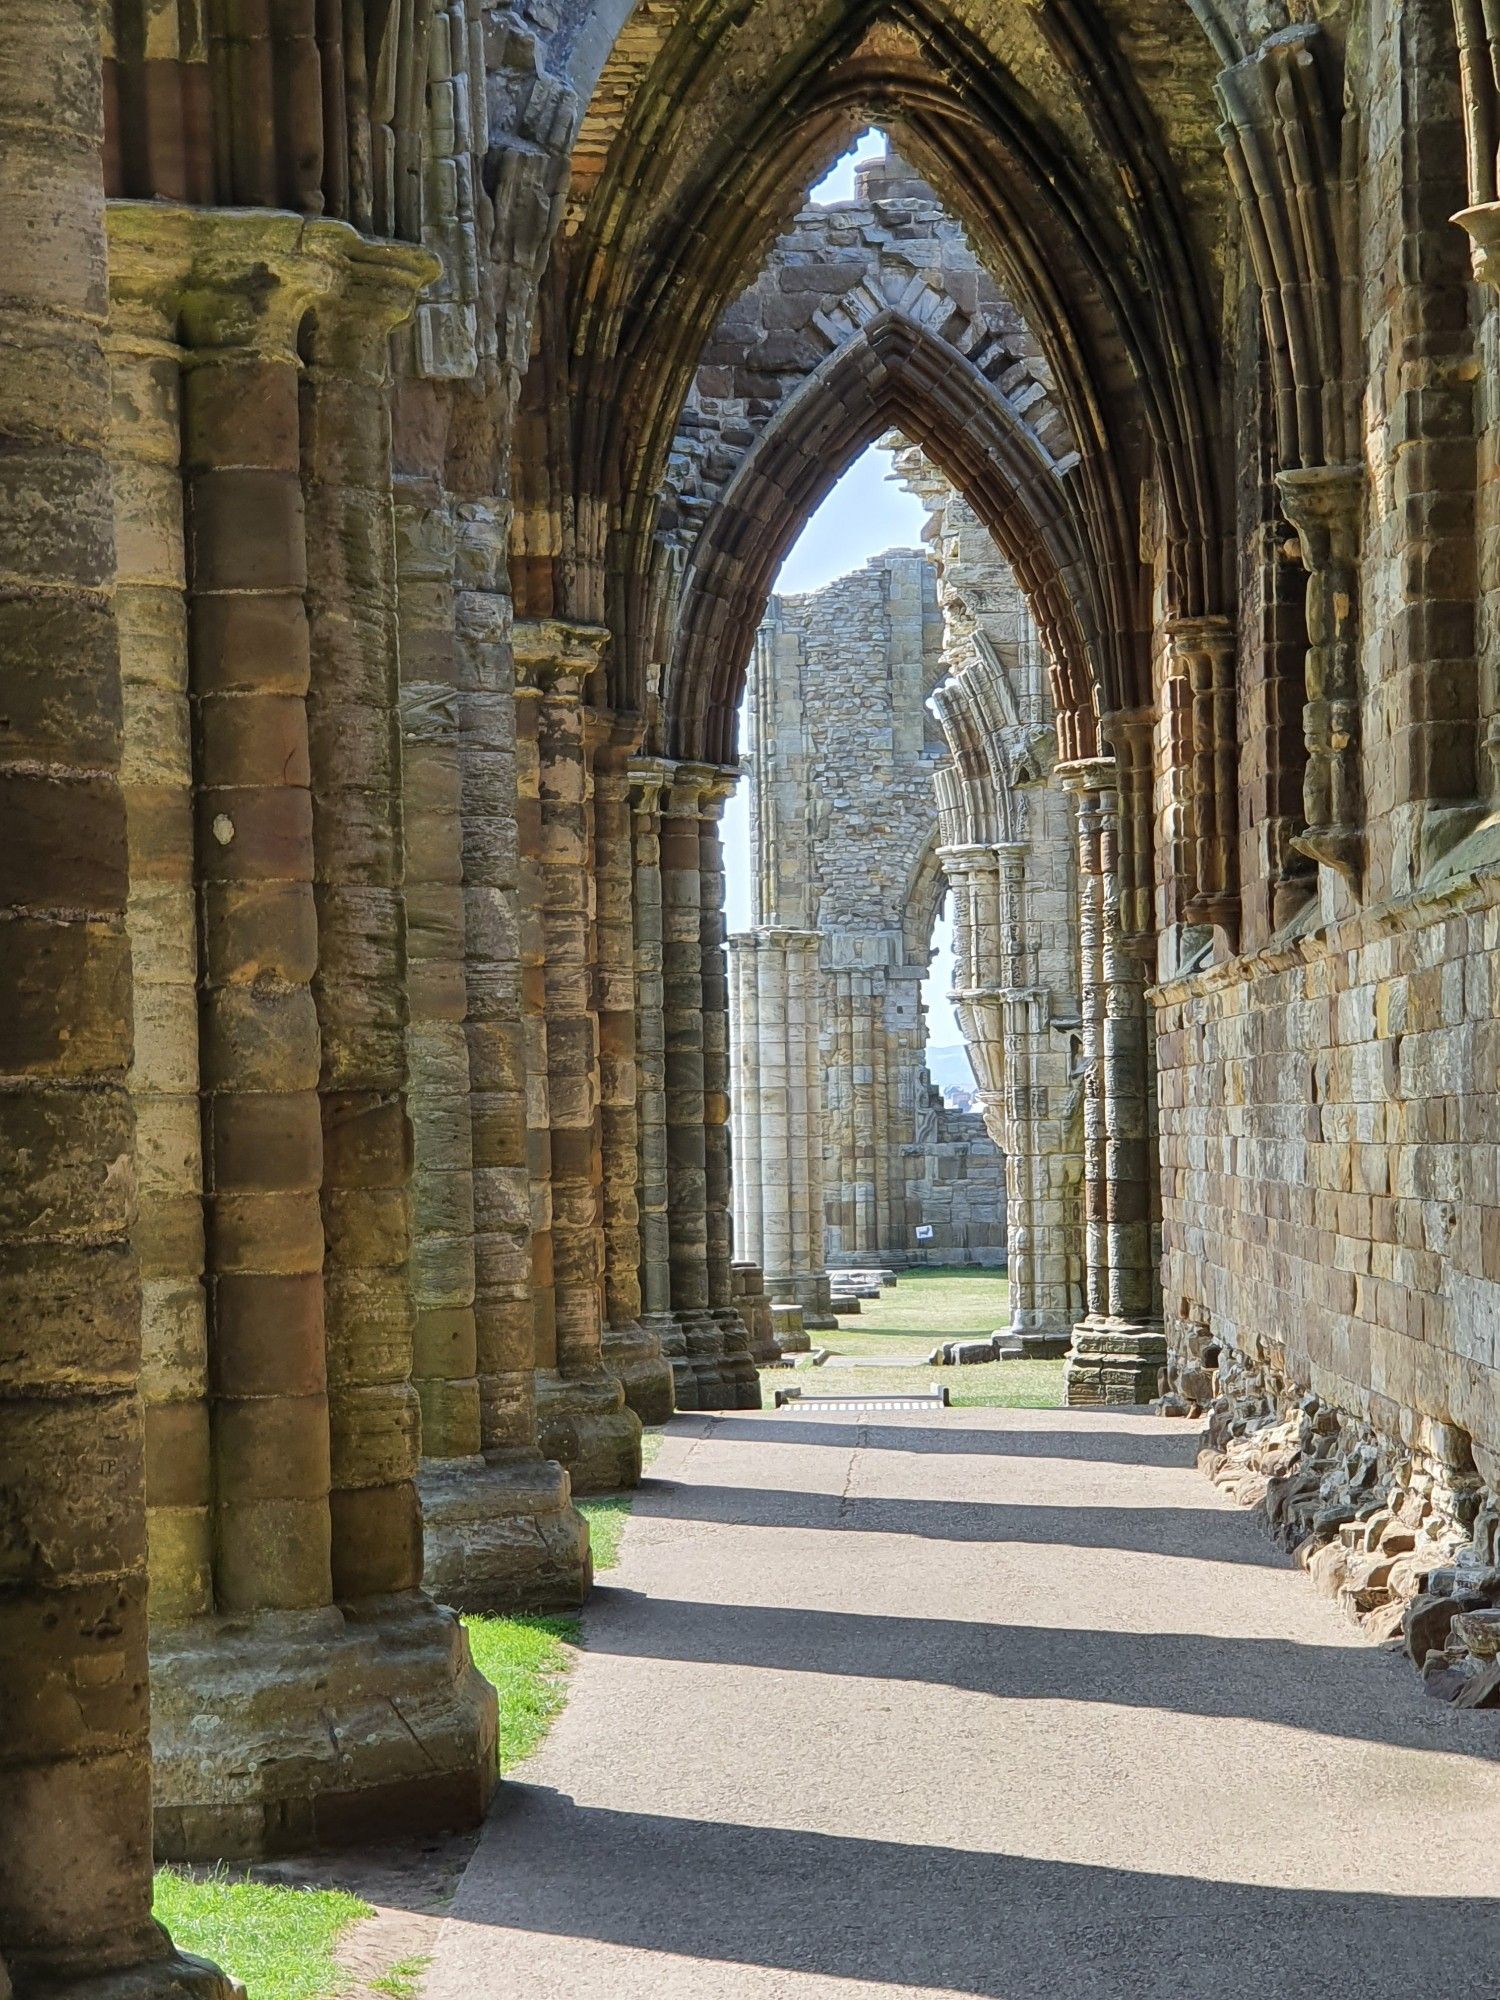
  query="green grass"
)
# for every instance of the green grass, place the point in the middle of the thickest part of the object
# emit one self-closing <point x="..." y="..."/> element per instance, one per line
<point x="404" y="1980"/>
<point x="279" y="1941"/>
<point x="903" y="1326"/>
<point x="526" y="1661"/>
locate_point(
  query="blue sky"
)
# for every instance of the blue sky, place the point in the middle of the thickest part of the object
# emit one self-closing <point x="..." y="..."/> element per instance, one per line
<point x="866" y="513"/>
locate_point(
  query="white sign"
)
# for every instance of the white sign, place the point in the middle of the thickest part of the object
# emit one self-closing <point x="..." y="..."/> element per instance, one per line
<point x="924" y="1232"/>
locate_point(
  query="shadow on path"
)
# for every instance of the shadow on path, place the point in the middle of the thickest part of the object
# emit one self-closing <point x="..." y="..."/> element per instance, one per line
<point x="1174" y="1453"/>
<point x="922" y="1917"/>
<point x="1197" y="1534"/>
<point x="1338" y="1691"/>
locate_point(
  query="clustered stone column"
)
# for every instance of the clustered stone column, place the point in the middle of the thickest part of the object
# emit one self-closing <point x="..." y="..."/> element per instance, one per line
<point x="1324" y="503"/>
<point x="360" y="984"/>
<point x="500" y="1529"/>
<point x="632" y="1351"/>
<point x="1204" y="649"/>
<point x="1006" y="1011"/>
<point x="582" y="1418"/>
<point x="301" y="1669"/>
<point x="147" y="269"/>
<point x="689" y="1192"/>
<point x="777" y="1100"/>
<point x="649" y="780"/>
<point x="1119" y="1347"/>
<point x="718" y="1193"/>
<point x="75" y="1773"/>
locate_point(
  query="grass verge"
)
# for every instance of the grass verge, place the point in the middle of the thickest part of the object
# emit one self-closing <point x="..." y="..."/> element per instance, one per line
<point x="903" y="1326"/>
<point x="526" y="1661"/>
<point x="278" y="1941"/>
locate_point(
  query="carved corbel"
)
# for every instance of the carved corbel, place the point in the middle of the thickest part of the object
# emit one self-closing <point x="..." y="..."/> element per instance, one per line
<point x="1324" y="505"/>
<point x="1203" y="657"/>
<point x="1285" y="143"/>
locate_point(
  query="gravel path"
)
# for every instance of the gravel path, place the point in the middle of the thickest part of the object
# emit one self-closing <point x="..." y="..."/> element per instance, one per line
<point x="995" y="1702"/>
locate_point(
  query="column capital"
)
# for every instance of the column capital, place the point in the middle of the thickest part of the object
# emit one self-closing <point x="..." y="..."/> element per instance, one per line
<point x="375" y="290"/>
<point x="1089" y="774"/>
<point x="696" y="788"/>
<point x="1212" y="635"/>
<point x="1323" y="504"/>
<point x="255" y="275"/>
<point x="1482" y="223"/>
<point x="969" y="858"/>
<point x="150" y="258"/>
<point x="555" y="656"/>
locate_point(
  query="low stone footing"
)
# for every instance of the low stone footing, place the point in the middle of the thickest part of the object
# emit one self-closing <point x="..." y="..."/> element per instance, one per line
<point x="297" y="1730"/>
<point x="714" y="1386"/>
<point x="1029" y="1343"/>
<point x="633" y="1355"/>
<point x="668" y="1333"/>
<point x="503" y="1536"/>
<point x="790" y="1327"/>
<point x="1114" y="1364"/>
<point x="172" y="1975"/>
<point x="754" y="1308"/>
<point x="741" y="1376"/>
<point x="582" y="1421"/>
<point x="1398" y="1530"/>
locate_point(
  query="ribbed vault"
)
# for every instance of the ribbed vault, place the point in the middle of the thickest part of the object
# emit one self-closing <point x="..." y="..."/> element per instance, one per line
<point x="1096" y="195"/>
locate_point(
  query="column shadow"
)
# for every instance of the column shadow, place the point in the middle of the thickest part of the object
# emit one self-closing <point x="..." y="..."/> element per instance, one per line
<point x="1174" y="1452"/>
<point x="1203" y="1534"/>
<point x="916" y="1919"/>
<point x="1349" y="1691"/>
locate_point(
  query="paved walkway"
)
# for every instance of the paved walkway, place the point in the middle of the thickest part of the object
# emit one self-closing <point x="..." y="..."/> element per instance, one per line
<point x="978" y="1702"/>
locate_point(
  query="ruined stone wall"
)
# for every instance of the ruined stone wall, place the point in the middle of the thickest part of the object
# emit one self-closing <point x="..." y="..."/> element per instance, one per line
<point x="841" y="757"/>
<point x="1330" y="1173"/>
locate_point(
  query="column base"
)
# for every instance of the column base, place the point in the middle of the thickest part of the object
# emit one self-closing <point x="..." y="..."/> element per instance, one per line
<point x="1114" y="1363"/>
<point x="789" y="1325"/>
<point x="740" y="1372"/>
<point x="502" y="1535"/>
<point x="705" y="1357"/>
<point x="291" y="1730"/>
<point x="175" y="1975"/>
<point x="1033" y="1337"/>
<point x="673" y="1342"/>
<point x="582" y="1422"/>
<point x="633" y="1355"/>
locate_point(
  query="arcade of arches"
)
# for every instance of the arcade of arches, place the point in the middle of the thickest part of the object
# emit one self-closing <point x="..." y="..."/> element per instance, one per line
<point x="398" y="448"/>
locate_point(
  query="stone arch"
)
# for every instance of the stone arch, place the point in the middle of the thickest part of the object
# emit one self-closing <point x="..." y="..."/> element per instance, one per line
<point x="668" y="239"/>
<point x="926" y="891"/>
<point x="892" y="372"/>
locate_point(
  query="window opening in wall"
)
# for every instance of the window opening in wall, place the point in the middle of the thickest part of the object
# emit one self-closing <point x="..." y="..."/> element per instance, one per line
<point x="947" y="1059"/>
<point x="864" y="514"/>
<point x="838" y="184"/>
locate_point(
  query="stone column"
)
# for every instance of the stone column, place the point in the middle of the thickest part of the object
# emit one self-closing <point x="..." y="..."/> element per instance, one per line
<point x="1324" y="503"/>
<point x="358" y="865"/>
<point x="649" y="779"/>
<point x="316" y="1736"/>
<point x="1204" y="650"/>
<point x="687" y="1147"/>
<point x="149" y="261"/>
<point x="1119" y="1346"/>
<point x="582" y="1419"/>
<point x="739" y="1364"/>
<point x="778" y="1179"/>
<point x="500" y="1530"/>
<point x="75" y="1775"/>
<point x="757" y="1094"/>
<point x="632" y="1350"/>
<point x="1037" y="1148"/>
